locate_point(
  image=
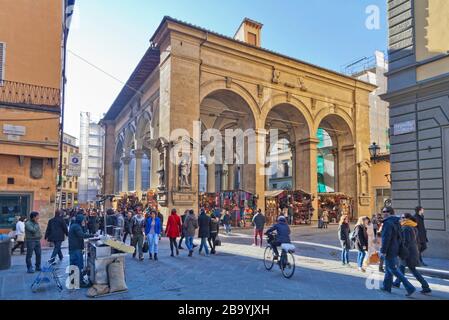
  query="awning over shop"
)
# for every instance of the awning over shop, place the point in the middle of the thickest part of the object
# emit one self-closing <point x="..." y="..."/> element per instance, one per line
<point x="273" y="193"/>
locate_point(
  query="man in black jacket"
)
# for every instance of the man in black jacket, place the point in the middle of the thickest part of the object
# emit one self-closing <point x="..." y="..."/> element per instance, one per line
<point x="422" y="233"/>
<point x="127" y="227"/>
<point x="391" y="245"/>
<point x="204" y="231"/>
<point x="56" y="233"/>
<point x="183" y="218"/>
<point x="76" y="244"/>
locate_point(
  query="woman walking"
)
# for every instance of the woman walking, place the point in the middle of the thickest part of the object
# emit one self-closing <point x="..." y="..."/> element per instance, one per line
<point x="361" y="241"/>
<point x="153" y="229"/>
<point x="173" y="231"/>
<point x="372" y="249"/>
<point x="20" y="236"/>
<point x="343" y="236"/>
<point x="214" y="228"/>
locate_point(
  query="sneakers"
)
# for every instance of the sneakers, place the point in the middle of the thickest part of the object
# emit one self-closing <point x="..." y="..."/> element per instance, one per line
<point x="140" y="258"/>
<point x="410" y="293"/>
<point x="190" y="253"/>
<point x="51" y="261"/>
<point x="30" y="270"/>
<point x="362" y="270"/>
<point x="38" y="269"/>
<point x="384" y="290"/>
<point x="426" y="291"/>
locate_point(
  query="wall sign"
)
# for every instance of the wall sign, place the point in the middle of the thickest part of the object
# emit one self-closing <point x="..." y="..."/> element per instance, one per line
<point x="74" y="169"/>
<point x="404" y="127"/>
<point x="9" y="129"/>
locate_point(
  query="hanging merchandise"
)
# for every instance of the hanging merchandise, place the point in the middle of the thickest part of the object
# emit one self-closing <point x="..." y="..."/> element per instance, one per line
<point x="336" y="205"/>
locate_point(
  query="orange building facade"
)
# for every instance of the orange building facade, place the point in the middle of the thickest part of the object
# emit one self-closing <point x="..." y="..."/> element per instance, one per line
<point x="31" y="56"/>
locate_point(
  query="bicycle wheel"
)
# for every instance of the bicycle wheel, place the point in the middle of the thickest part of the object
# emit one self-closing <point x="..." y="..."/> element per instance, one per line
<point x="268" y="258"/>
<point x="288" y="265"/>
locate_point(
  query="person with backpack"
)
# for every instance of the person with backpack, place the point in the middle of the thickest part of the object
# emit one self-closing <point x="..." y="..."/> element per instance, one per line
<point x="173" y="230"/>
<point x="137" y="234"/>
<point x="343" y="236"/>
<point x="409" y="236"/>
<point x="392" y="247"/>
<point x="190" y="225"/>
<point x="360" y="240"/>
<point x="214" y="229"/>
<point x="56" y="232"/>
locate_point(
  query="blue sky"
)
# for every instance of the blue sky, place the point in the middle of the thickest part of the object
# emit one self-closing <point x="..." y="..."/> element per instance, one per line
<point x="114" y="34"/>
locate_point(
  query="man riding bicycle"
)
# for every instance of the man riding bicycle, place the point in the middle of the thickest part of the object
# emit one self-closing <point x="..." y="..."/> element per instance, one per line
<point x="283" y="235"/>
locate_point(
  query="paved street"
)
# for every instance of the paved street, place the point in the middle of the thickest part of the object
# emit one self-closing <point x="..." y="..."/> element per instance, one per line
<point x="236" y="273"/>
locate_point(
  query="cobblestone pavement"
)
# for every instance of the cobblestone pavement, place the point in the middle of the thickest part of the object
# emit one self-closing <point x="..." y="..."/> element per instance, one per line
<point x="235" y="273"/>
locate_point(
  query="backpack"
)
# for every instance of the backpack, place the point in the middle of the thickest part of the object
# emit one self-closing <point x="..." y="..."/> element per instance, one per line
<point x="403" y="249"/>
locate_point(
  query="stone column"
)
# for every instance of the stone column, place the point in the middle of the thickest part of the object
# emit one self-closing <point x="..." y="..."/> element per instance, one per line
<point x="231" y="176"/>
<point x="138" y="171"/>
<point x="210" y="177"/>
<point x="116" y="177"/>
<point x="126" y="161"/>
<point x="260" y="168"/>
<point x="109" y="147"/>
<point x="306" y="161"/>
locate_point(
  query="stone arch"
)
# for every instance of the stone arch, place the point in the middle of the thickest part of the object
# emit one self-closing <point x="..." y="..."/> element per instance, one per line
<point x="143" y="128"/>
<point x="281" y="99"/>
<point x="340" y="124"/>
<point x="209" y="87"/>
<point x="119" y="150"/>
<point x="129" y="139"/>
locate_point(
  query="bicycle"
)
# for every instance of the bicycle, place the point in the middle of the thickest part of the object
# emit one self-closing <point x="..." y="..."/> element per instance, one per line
<point x="286" y="262"/>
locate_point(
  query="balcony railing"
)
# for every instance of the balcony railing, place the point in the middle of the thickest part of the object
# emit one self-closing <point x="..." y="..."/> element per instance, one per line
<point x="28" y="94"/>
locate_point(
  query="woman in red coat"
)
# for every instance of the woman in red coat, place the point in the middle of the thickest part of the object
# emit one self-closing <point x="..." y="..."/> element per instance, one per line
<point x="173" y="230"/>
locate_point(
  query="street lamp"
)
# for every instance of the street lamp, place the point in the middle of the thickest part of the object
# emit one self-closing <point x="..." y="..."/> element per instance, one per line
<point x="373" y="151"/>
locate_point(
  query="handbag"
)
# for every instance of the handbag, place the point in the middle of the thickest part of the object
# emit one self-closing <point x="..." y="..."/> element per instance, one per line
<point x="145" y="247"/>
<point x="374" y="258"/>
<point x="20" y="238"/>
<point x="217" y="242"/>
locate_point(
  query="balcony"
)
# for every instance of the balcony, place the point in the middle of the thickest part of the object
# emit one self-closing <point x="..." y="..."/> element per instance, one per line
<point x="28" y="94"/>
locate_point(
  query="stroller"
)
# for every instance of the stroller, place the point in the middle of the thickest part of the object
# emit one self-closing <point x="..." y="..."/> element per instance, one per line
<point x="48" y="273"/>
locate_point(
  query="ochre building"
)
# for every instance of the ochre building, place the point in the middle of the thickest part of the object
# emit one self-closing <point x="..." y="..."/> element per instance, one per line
<point x="30" y="80"/>
<point x="192" y="74"/>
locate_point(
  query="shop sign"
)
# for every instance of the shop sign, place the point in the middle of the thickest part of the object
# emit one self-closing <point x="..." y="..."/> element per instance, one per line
<point x="404" y="127"/>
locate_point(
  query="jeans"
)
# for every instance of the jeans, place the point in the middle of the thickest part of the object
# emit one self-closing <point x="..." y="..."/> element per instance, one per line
<point x="345" y="255"/>
<point x="33" y="245"/>
<point x="189" y="243"/>
<point x="137" y="242"/>
<point x="360" y="258"/>
<point x="258" y="233"/>
<point x="204" y="244"/>
<point x="391" y="265"/>
<point x="227" y="228"/>
<point x="57" y="250"/>
<point x="76" y="259"/>
<point x="153" y="240"/>
<point x="416" y="274"/>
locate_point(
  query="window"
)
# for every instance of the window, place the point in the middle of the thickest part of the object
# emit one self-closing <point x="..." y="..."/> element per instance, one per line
<point x="64" y="184"/>
<point x="76" y="185"/>
<point x="65" y="160"/>
<point x="65" y="148"/>
<point x="71" y="150"/>
<point x="10" y="180"/>
<point x="252" y="38"/>
<point x="2" y="61"/>
<point x="70" y="185"/>
<point x="286" y="169"/>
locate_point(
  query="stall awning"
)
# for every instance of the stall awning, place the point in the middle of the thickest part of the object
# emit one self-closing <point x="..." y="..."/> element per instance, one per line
<point x="273" y="193"/>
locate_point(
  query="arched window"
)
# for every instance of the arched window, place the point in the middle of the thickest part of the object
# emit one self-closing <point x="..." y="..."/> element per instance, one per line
<point x="131" y="175"/>
<point x="146" y="173"/>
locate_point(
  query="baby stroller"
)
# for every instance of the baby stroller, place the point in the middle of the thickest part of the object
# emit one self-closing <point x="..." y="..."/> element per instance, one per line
<point x="48" y="273"/>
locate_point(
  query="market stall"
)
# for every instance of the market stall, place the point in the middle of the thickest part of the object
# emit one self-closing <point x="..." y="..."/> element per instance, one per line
<point x="240" y="204"/>
<point x="295" y="205"/>
<point x="336" y="204"/>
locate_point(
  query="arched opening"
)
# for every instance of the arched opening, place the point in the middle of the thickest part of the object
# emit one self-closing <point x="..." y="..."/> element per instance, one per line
<point x="227" y="116"/>
<point x="283" y="161"/>
<point x="335" y="155"/>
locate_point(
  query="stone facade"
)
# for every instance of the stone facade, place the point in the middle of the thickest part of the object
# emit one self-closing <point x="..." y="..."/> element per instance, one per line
<point x="418" y="93"/>
<point x="191" y="74"/>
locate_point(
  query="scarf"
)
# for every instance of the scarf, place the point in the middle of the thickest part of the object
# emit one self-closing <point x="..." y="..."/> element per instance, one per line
<point x="408" y="223"/>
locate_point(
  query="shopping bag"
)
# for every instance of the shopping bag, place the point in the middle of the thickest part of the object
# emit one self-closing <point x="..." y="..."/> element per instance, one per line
<point x="374" y="258"/>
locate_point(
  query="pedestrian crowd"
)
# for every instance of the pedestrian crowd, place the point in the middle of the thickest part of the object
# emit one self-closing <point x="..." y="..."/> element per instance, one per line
<point x="395" y="243"/>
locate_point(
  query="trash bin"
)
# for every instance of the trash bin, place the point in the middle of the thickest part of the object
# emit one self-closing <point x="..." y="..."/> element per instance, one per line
<point x="5" y="252"/>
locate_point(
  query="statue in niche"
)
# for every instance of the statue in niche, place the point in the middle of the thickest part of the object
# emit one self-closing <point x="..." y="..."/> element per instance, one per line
<point x="184" y="171"/>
